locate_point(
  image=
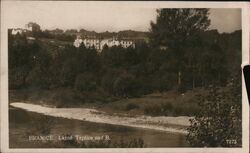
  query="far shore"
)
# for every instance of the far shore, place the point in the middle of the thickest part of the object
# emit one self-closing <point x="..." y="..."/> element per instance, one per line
<point x="161" y="123"/>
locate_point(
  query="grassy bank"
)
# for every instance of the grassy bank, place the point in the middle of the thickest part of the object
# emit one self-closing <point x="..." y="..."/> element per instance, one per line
<point x="158" y="104"/>
<point x="61" y="97"/>
<point x="168" y="103"/>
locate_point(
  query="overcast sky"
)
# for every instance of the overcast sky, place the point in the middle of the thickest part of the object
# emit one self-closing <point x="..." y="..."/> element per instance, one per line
<point x="76" y="15"/>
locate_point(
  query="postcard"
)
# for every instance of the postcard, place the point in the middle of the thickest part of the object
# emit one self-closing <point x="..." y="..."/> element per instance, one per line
<point x="124" y="76"/>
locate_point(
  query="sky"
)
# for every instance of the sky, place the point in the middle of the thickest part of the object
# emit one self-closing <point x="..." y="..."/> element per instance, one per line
<point x="100" y="18"/>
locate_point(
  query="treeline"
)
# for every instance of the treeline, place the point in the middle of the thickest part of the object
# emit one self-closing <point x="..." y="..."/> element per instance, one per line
<point x="58" y="36"/>
<point x="124" y="72"/>
<point x="70" y="35"/>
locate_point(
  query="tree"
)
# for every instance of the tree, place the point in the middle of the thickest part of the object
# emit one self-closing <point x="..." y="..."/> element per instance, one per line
<point x="126" y="85"/>
<point x="57" y="31"/>
<point x="113" y="56"/>
<point x="34" y="26"/>
<point x="71" y="61"/>
<point x="35" y="29"/>
<point x="177" y="29"/>
<point x="218" y="123"/>
<point x="21" y="59"/>
<point x="85" y="82"/>
<point x="40" y="75"/>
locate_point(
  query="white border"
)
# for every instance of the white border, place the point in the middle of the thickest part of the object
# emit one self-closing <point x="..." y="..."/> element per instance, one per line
<point x="141" y="4"/>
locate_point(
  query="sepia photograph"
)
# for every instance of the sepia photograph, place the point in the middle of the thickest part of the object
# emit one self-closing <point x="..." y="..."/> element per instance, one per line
<point x="114" y="76"/>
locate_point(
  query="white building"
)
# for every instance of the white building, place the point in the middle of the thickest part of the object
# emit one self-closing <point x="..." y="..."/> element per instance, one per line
<point x="78" y="42"/>
<point x="17" y="30"/>
<point x="100" y="43"/>
<point x="92" y="42"/>
<point x="127" y="43"/>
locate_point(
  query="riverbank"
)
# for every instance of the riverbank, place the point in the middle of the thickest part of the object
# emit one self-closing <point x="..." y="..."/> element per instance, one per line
<point x="170" y="103"/>
<point x="161" y="123"/>
<point x="23" y="124"/>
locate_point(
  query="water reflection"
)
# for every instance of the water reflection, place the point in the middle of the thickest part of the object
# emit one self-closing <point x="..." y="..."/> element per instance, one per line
<point x="21" y="122"/>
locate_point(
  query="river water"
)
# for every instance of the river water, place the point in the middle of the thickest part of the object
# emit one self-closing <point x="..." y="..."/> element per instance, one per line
<point x="21" y="123"/>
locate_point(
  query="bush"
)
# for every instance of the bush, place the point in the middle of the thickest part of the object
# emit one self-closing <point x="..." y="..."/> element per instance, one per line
<point x="152" y="110"/>
<point x="131" y="106"/>
<point x="17" y="77"/>
<point x="126" y="86"/>
<point x="169" y="109"/>
<point x="219" y="121"/>
<point x="66" y="98"/>
<point x="85" y="82"/>
<point x="38" y="78"/>
<point x="181" y="88"/>
<point x="159" y="110"/>
<point x="108" y="79"/>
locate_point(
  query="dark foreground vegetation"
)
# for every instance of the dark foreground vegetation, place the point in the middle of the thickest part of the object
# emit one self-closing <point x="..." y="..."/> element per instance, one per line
<point x="181" y="56"/>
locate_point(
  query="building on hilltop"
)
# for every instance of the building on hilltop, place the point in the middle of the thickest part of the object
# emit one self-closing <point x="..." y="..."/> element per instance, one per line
<point x="21" y="31"/>
<point x="99" y="43"/>
<point x="88" y="42"/>
<point x="18" y="30"/>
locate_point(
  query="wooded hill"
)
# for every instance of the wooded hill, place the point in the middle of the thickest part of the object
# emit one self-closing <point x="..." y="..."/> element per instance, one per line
<point x="70" y="35"/>
<point x="142" y="67"/>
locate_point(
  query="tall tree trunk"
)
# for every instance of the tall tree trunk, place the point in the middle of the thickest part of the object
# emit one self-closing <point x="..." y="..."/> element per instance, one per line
<point x="193" y="82"/>
<point x="179" y="78"/>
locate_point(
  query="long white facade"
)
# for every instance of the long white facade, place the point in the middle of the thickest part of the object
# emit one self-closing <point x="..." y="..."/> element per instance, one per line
<point x="100" y="43"/>
<point x="18" y="30"/>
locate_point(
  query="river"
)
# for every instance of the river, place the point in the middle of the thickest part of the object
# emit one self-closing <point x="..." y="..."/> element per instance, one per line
<point x="21" y="122"/>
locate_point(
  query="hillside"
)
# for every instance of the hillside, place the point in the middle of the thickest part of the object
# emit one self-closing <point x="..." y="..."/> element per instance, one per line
<point x="107" y="34"/>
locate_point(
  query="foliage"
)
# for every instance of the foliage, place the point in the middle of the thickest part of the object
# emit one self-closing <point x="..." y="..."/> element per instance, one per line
<point x="174" y="26"/>
<point x="131" y="106"/>
<point x="21" y="59"/>
<point x="34" y="27"/>
<point x="177" y="30"/>
<point x="171" y="109"/>
<point x="39" y="76"/>
<point x="125" y="85"/>
<point x="197" y="61"/>
<point x="85" y="82"/>
<point x="218" y="124"/>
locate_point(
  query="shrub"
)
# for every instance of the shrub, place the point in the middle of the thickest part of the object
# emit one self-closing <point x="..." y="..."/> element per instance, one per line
<point x="159" y="110"/>
<point x="108" y="79"/>
<point x="17" y="77"/>
<point x="85" y="82"/>
<point x="181" y="88"/>
<point x="219" y="121"/>
<point x="126" y="86"/>
<point x="66" y="98"/>
<point x="152" y="110"/>
<point x="131" y="106"/>
<point x="168" y="107"/>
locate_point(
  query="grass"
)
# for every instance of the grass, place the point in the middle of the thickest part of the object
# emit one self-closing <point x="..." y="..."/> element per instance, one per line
<point x="62" y="97"/>
<point x="131" y="106"/>
<point x="158" y="104"/>
<point x="169" y="103"/>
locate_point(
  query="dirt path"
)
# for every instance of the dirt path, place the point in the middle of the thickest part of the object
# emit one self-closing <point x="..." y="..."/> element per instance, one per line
<point x="168" y="124"/>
